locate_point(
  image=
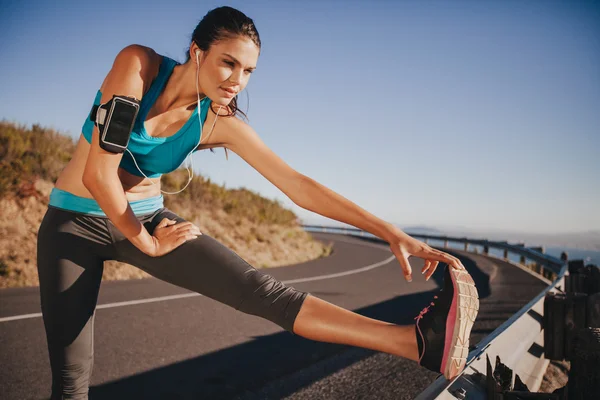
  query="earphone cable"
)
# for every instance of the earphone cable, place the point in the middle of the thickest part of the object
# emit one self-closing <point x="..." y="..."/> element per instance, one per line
<point x="191" y="169"/>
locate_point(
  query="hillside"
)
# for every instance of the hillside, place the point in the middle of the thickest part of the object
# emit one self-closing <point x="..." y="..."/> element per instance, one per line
<point x="259" y="230"/>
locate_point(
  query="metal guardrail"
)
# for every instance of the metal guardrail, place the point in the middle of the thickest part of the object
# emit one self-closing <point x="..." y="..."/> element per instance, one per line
<point x="512" y="340"/>
<point x="535" y="254"/>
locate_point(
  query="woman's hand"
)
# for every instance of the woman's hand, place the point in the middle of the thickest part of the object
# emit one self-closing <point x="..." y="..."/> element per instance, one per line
<point x="403" y="246"/>
<point x="168" y="235"/>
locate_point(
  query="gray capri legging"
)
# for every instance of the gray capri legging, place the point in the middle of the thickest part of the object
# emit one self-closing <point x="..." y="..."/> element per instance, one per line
<point x="72" y="248"/>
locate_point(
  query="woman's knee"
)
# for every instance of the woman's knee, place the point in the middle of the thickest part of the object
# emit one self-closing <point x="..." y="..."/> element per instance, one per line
<point x="269" y="298"/>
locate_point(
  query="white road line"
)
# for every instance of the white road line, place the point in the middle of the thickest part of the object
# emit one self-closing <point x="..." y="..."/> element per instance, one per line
<point x="354" y="271"/>
<point x="181" y="296"/>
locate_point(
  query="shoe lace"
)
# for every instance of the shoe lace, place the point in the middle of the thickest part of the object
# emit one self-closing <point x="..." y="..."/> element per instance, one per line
<point x="418" y="318"/>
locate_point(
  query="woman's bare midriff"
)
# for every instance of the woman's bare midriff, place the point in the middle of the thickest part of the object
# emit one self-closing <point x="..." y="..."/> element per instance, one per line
<point x="70" y="179"/>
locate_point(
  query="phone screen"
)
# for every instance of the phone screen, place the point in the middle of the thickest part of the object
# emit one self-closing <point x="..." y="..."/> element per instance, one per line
<point x="121" y="123"/>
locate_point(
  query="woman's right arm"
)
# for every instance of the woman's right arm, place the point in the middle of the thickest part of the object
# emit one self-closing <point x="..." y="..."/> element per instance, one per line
<point x="100" y="174"/>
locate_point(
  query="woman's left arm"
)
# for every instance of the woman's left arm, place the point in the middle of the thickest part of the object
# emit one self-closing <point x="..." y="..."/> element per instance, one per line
<point x="320" y="199"/>
<point x="313" y="196"/>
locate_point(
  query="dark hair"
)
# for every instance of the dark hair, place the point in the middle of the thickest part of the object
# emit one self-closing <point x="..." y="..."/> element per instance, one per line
<point x="219" y="24"/>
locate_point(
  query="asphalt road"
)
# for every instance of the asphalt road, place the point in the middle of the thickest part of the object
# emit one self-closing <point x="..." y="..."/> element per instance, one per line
<point x="151" y="346"/>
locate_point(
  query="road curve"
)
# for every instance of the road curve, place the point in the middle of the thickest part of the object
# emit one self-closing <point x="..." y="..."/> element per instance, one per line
<point x="154" y="340"/>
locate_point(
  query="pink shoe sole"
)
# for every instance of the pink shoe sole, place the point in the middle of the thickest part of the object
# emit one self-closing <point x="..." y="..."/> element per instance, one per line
<point x="462" y="314"/>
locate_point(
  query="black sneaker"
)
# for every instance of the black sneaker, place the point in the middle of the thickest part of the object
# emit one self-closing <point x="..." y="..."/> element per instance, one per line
<point x="443" y="327"/>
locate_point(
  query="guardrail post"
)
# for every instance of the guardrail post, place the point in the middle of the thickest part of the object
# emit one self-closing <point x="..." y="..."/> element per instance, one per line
<point x="578" y="279"/>
<point x="593" y="311"/>
<point x="538" y="248"/>
<point x="546" y="273"/>
<point x="466" y="246"/>
<point x="575" y="266"/>
<point x="584" y="375"/>
<point x="575" y="316"/>
<point x="554" y="325"/>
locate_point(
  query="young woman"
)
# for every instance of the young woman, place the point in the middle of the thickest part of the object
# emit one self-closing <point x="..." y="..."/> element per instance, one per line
<point x="108" y="206"/>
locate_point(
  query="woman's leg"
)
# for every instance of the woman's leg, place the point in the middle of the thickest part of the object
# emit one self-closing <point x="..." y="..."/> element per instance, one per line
<point x="205" y="266"/>
<point x="70" y="272"/>
<point x="325" y="322"/>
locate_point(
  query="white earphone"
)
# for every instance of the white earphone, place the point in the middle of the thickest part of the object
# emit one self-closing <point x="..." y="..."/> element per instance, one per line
<point x="191" y="169"/>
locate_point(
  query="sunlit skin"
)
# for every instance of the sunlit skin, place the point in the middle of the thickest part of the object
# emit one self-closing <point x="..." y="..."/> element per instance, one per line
<point x="229" y="64"/>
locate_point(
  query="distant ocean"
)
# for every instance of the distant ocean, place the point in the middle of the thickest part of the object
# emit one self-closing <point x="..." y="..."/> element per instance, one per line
<point x="588" y="256"/>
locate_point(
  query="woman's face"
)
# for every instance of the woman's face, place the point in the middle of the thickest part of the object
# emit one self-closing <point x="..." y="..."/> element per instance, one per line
<point x="226" y="68"/>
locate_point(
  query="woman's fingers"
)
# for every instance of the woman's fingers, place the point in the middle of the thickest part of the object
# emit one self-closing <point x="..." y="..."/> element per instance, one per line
<point x="185" y="233"/>
<point x="186" y="226"/>
<point x="193" y="230"/>
<point x="402" y="258"/>
<point x="181" y="225"/>
<point x="430" y="267"/>
<point x="166" y="222"/>
<point x="433" y="257"/>
<point x="426" y="266"/>
<point x="163" y="222"/>
<point x="445" y="258"/>
<point x="431" y="270"/>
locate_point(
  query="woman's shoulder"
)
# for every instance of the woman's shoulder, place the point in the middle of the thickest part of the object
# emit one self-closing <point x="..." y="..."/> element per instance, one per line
<point x="138" y="55"/>
<point x="144" y="60"/>
<point x="227" y="132"/>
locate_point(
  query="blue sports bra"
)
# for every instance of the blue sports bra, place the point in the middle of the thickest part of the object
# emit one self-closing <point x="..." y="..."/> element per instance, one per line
<point x="156" y="155"/>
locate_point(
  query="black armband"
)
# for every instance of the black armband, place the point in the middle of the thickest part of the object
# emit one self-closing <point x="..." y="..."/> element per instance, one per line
<point x="115" y="120"/>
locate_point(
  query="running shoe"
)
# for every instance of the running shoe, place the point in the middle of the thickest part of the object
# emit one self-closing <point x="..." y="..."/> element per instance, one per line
<point x="443" y="327"/>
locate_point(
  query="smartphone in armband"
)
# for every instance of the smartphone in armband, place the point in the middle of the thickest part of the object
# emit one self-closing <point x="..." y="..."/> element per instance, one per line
<point x="115" y="120"/>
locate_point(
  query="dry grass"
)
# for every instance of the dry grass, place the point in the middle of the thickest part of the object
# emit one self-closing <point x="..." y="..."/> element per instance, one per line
<point x="556" y="377"/>
<point x="259" y="230"/>
<point x="30" y="154"/>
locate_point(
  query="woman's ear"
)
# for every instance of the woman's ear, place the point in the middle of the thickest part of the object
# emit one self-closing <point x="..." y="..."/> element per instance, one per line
<point x="195" y="52"/>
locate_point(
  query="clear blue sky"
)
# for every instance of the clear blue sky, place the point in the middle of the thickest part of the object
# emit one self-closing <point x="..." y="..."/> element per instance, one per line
<point x="477" y="114"/>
